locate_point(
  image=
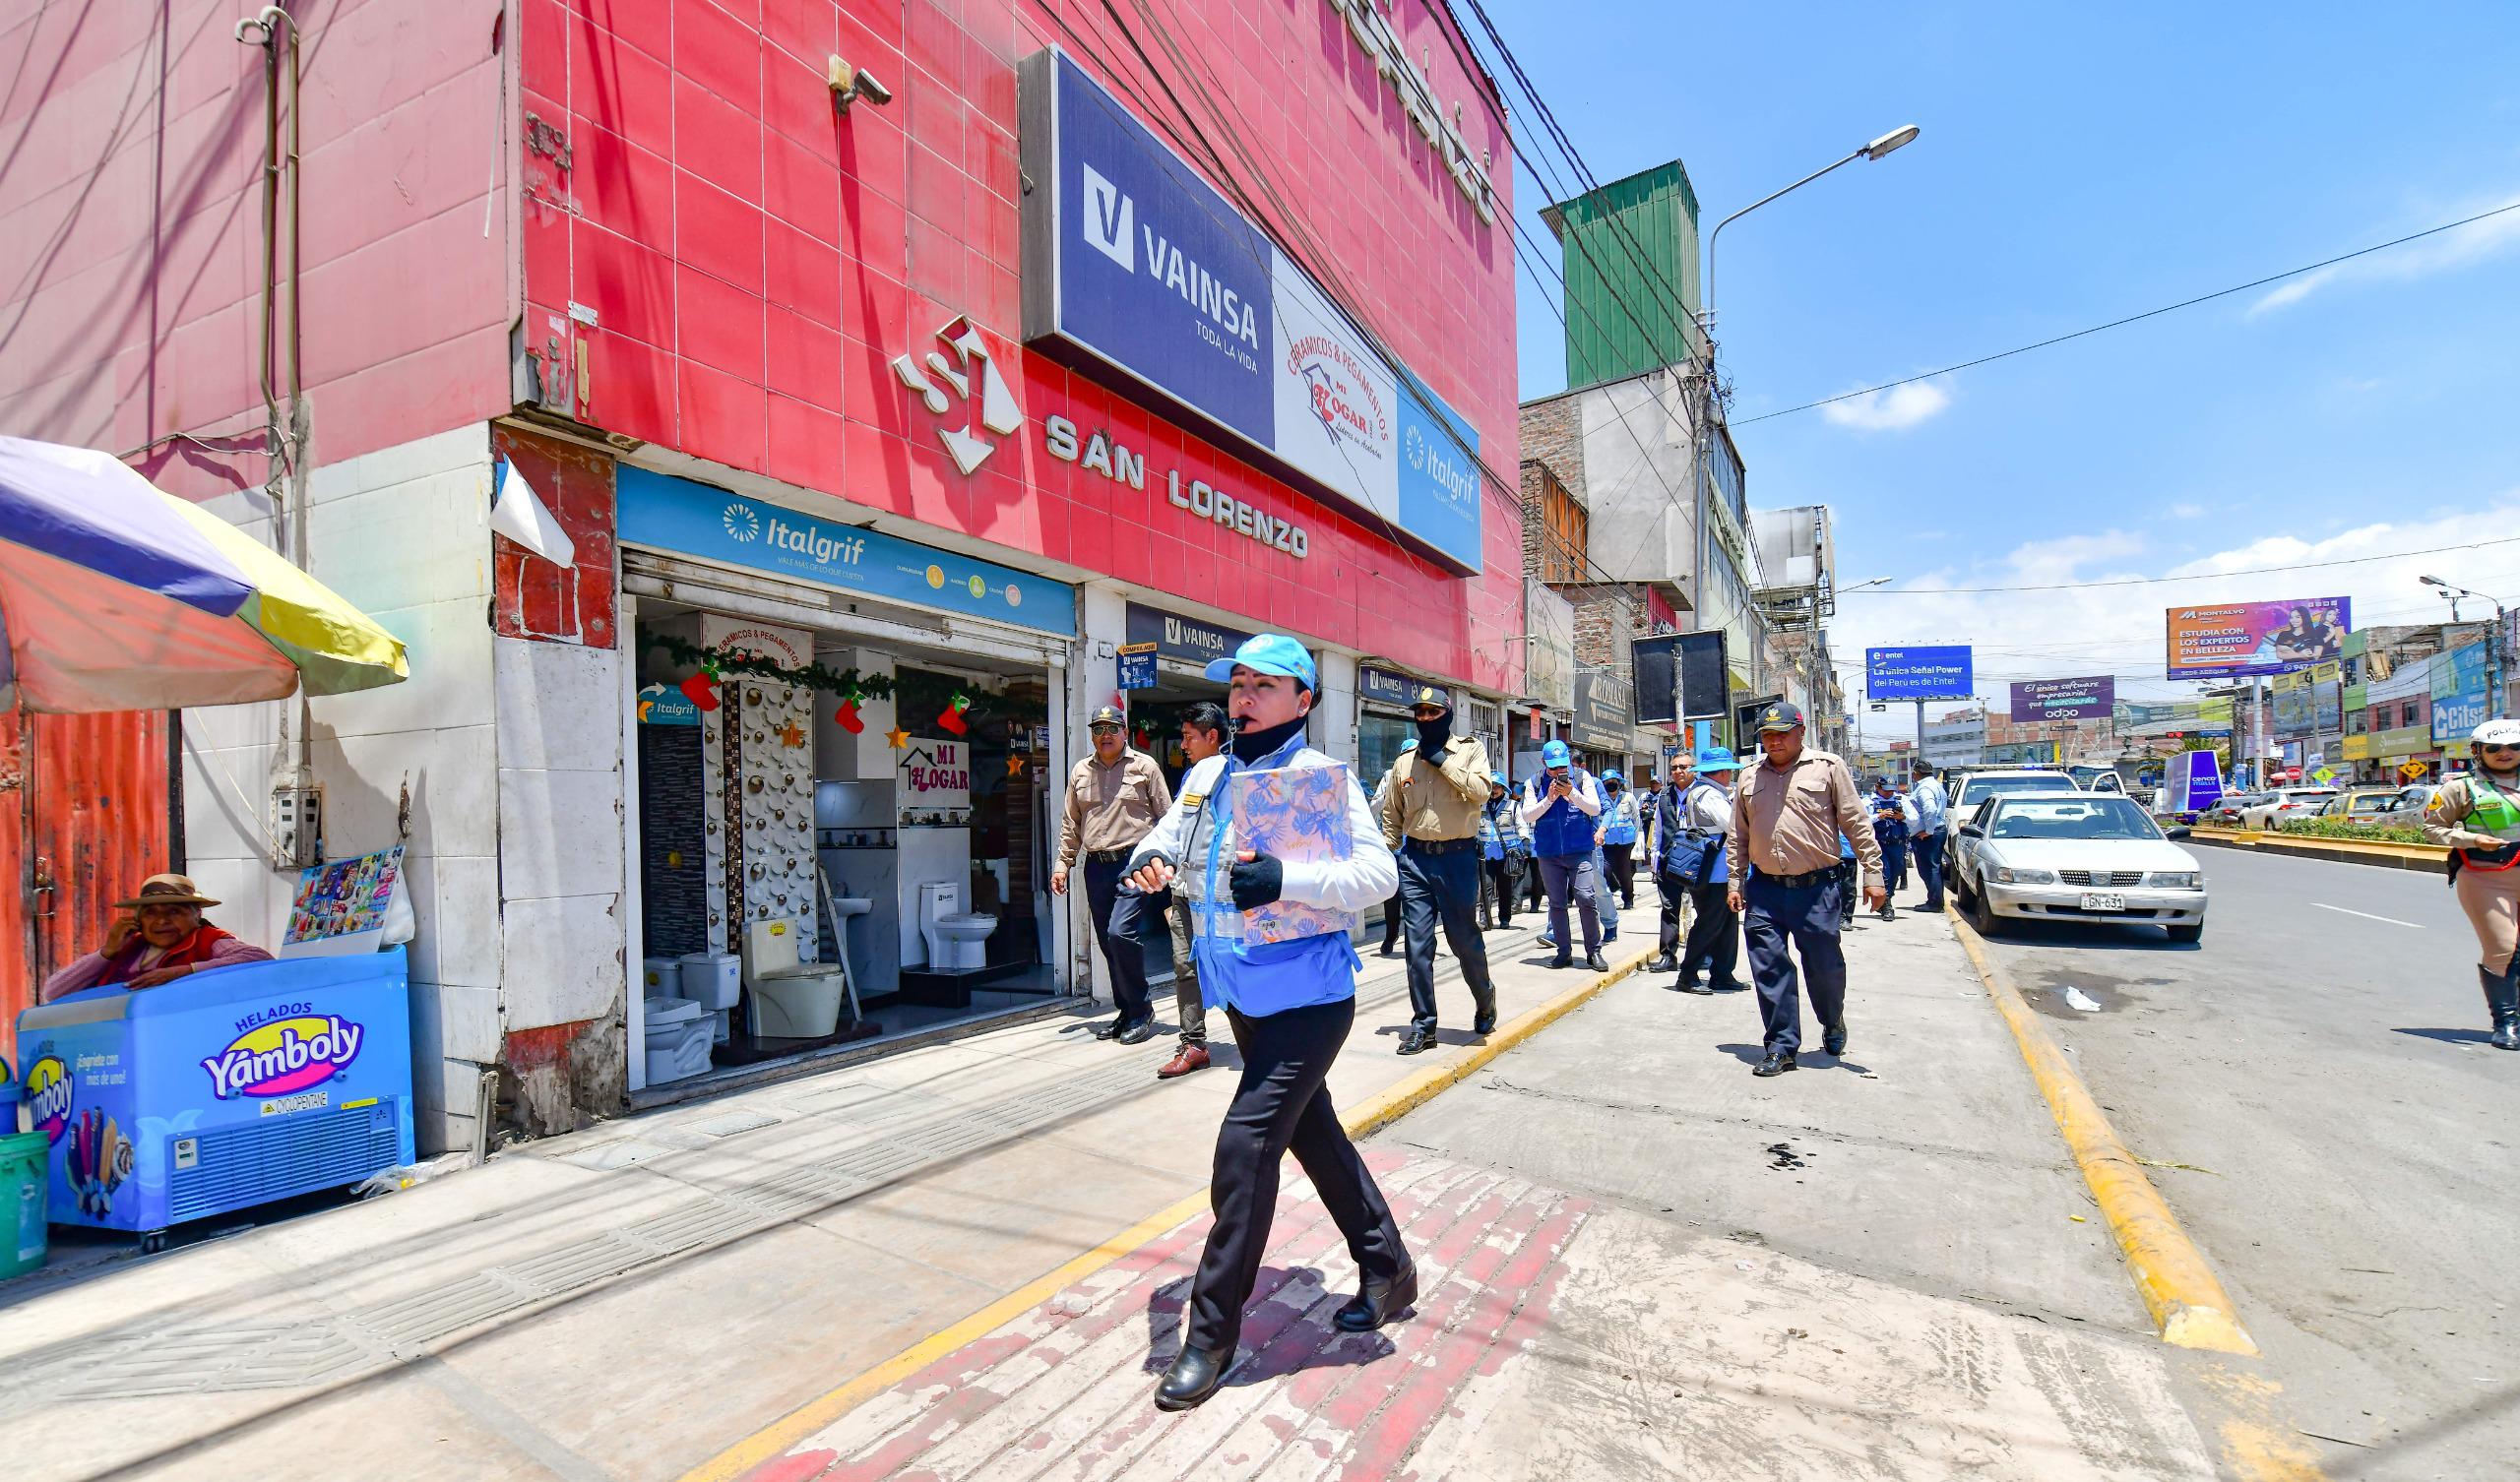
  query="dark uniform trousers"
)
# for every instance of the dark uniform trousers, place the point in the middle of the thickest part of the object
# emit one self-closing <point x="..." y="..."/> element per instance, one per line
<point x="1715" y="933"/>
<point x="1808" y="915"/>
<point x="1281" y="1106"/>
<point x="1440" y="882"/>
<point x="1500" y="884"/>
<point x="1124" y="953"/>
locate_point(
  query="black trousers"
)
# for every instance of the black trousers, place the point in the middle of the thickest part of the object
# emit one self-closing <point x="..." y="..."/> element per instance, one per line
<point x="1281" y="1106"/>
<point x="1807" y="916"/>
<point x="1500" y="883"/>
<point x="1125" y="955"/>
<point x="1621" y="859"/>
<point x="1714" y="934"/>
<point x="1442" y="888"/>
<point x="1391" y="922"/>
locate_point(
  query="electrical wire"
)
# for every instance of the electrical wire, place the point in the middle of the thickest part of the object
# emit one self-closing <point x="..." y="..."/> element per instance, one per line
<point x="2209" y="576"/>
<point x="2184" y="303"/>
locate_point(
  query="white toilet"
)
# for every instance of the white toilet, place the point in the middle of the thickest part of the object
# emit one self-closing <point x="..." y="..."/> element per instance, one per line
<point x="956" y="939"/>
<point x="789" y="999"/>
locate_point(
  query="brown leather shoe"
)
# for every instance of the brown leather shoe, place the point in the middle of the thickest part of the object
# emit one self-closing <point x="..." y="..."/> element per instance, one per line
<point x="1191" y="1058"/>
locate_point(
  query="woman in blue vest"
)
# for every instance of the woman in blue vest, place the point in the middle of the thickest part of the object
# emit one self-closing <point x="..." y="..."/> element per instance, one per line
<point x="1290" y="1004"/>
<point x="1618" y="838"/>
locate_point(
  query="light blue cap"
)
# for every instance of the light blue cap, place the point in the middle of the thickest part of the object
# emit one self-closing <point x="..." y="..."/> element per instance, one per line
<point x="1717" y="759"/>
<point x="1269" y="654"/>
<point x="1556" y="754"/>
<point x="1497" y="778"/>
<point x="1408" y="745"/>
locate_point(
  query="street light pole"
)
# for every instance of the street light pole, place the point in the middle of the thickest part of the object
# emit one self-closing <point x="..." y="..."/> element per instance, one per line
<point x="2493" y="692"/>
<point x="1702" y="434"/>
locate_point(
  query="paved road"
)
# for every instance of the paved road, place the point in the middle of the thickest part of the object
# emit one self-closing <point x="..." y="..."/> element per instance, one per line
<point x="2322" y="1052"/>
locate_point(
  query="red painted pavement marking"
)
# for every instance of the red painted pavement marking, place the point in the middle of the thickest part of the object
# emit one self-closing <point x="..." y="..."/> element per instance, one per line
<point x="1531" y="1314"/>
<point x="1450" y="1361"/>
<point x="1352" y="1416"/>
<point x="1313" y="1369"/>
<point x="1482" y="1224"/>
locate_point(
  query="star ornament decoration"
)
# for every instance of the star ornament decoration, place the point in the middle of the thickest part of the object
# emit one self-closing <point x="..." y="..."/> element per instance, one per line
<point x="1013" y="766"/>
<point x="898" y="739"/>
<point x="791" y="735"/>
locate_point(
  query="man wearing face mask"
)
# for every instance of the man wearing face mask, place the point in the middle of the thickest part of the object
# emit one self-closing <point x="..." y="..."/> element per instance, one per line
<point x="1429" y="816"/>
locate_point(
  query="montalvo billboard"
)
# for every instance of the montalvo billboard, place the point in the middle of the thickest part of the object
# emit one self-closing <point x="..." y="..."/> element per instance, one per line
<point x="2235" y="639"/>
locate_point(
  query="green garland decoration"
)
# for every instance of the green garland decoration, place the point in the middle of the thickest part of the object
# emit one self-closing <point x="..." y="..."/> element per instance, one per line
<point x="848" y="683"/>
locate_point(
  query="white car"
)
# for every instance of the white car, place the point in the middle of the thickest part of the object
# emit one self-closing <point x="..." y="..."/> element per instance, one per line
<point x="2089" y="857"/>
<point x="2285" y="803"/>
<point x="1976" y="787"/>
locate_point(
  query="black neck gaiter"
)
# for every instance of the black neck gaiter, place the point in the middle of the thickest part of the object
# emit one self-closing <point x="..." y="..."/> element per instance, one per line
<point x="1434" y="735"/>
<point x="1251" y="743"/>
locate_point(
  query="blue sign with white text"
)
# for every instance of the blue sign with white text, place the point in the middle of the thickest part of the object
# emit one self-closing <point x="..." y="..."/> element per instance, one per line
<point x="1917" y="673"/>
<point x="1134" y="259"/>
<point x="693" y="518"/>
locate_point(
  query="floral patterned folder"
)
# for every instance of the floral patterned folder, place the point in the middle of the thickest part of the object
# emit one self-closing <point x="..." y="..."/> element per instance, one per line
<point x="1297" y="812"/>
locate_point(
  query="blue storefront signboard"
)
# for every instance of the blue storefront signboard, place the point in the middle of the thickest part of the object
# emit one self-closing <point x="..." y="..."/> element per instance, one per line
<point x="2459" y="703"/>
<point x="1137" y="666"/>
<point x="692" y="518"/>
<point x="1942" y="673"/>
<point x="1384" y="687"/>
<point x="1134" y="260"/>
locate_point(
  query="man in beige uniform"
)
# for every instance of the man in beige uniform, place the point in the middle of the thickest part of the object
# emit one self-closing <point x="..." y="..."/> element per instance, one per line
<point x="1429" y="810"/>
<point x="1114" y="799"/>
<point x="1781" y="854"/>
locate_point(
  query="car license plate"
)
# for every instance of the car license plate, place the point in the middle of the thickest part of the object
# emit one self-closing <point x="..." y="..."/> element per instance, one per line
<point x="2098" y="902"/>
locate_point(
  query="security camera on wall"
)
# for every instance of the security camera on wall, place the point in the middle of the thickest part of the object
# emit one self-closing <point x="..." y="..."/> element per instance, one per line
<point x="849" y="84"/>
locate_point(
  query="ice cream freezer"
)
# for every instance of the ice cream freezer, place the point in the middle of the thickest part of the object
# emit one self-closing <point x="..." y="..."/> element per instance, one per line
<point x="222" y="1090"/>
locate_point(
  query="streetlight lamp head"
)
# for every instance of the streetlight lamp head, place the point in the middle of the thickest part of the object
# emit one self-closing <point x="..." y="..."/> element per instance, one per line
<point x="2432" y="581"/>
<point x="1895" y="139"/>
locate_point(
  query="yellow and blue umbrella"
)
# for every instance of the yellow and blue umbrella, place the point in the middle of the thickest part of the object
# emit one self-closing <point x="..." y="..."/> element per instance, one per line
<point x="115" y="596"/>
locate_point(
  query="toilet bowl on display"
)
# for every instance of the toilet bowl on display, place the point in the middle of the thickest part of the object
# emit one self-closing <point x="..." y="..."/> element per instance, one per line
<point x="789" y="999"/>
<point x="957" y="940"/>
<point x="676" y="1036"/>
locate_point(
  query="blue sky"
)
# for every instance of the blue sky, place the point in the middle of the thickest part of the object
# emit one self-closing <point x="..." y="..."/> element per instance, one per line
<point x="2076" y="165"/>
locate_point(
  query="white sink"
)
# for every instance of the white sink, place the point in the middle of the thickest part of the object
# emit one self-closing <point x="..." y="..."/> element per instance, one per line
<point x="846" y="906"/>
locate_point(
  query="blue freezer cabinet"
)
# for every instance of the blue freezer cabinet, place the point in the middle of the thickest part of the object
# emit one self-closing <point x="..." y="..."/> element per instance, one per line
<point x="222" y="1089"/>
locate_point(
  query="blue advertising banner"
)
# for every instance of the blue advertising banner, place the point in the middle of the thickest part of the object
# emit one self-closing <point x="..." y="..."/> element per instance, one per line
<point x="693" y="518"/>
<point x="1135" y="260"/>
<point x="2458" y="694"/>
<point x="1137" y="666"/>
<point x="1917" y="673"/>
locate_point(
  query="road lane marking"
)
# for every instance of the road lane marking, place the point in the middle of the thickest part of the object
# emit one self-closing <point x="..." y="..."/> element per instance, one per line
<point x="2366" y="916"/>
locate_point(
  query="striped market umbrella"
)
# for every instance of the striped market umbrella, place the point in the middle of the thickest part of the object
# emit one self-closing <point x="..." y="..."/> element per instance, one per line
<point x="115" y="596"/>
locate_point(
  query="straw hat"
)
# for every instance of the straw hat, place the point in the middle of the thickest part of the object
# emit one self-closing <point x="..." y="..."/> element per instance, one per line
<point x="165" y="890"/>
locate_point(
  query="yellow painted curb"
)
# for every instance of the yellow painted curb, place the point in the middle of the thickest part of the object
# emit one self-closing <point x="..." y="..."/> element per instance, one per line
<point x="1370" y="1115"/>
<point x="2303" y="843"/>
<point x="2185" y="1298"/>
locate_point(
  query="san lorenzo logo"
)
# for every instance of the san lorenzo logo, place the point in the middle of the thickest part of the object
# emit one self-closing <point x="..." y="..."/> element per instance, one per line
<point x="48" y="1096"/>
<point x="742" y="523"/>
<point x="285" y="1055"/>
<point x="972" y="375"/>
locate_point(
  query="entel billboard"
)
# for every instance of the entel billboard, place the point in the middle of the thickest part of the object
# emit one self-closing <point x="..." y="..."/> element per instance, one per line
<point x="1944" y="673"/>
<point x="1134" y="261"/>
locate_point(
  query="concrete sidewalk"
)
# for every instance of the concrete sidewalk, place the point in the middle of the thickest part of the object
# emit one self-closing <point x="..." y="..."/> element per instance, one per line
<point x="1623" y="1277"/>
<point x="630" y="1301"/>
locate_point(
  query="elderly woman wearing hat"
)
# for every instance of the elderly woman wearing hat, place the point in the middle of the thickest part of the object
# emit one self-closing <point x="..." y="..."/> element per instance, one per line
<point x="161" y="939"/>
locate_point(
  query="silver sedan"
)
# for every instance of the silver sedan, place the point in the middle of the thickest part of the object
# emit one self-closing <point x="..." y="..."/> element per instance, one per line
<point x="2086" y="858"/>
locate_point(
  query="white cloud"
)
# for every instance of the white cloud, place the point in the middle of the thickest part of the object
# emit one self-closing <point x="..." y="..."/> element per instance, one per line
<point x="2451" y="250"/>
<point x="2188" y="511"/>
<point x="1893" y="410"/>
<point x="2061" y="631"/>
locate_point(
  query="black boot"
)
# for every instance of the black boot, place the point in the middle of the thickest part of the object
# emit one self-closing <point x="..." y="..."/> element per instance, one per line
<point x="1663" y="963"/>
<point x="1378" y="1302"/>
<point x="2502" y="1001"/>
<point x="1193" y="1377"/>
<point x="1486" y="1005"/>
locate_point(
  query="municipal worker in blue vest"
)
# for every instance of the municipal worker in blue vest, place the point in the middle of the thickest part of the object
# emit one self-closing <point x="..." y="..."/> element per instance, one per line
<point x="1561" y="807"/>
<point x="1290" y="1004"/>
<point x="1430" y="812"/>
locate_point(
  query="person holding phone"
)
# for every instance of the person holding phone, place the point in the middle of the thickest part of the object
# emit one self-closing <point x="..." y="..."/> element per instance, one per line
<point x="1560" y="809"/>
<point x="161" y="937"/>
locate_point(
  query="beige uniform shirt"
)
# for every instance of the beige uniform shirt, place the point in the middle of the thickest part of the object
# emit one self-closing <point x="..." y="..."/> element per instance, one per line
<point x="1111" y="807"/>
<point x="1434" y="803"/>
<point x="1787" y="820"/>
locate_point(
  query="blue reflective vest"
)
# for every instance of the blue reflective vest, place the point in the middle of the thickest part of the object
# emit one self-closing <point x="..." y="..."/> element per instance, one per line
<point x="1564" y="829"/>
<point x="1618" y="820"/>
<point x="1256" y="979"/>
